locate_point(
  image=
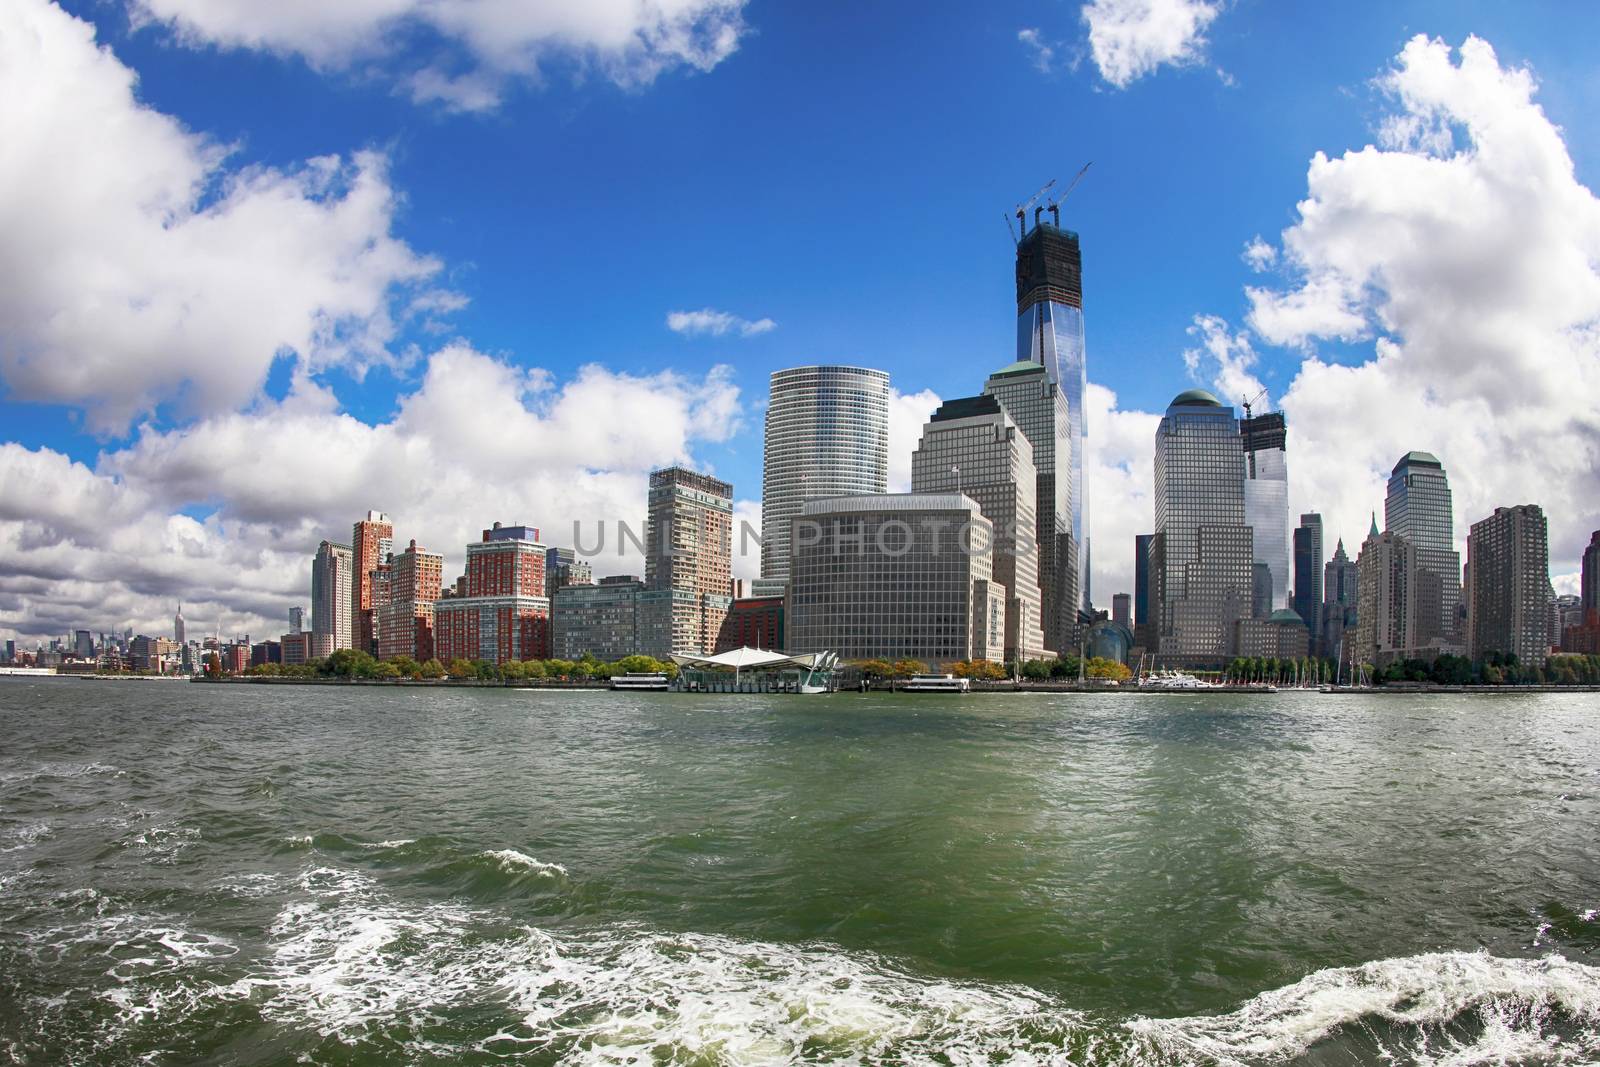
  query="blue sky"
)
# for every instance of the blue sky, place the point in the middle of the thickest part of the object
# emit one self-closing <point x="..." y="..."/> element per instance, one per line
<point x="842" y="170"/>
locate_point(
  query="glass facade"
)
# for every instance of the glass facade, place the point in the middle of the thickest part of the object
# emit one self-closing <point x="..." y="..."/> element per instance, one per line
<point x="1050" y="333"/>
<point x="1308" y="572"/>
<point x="1418" y="508"/>
<point x="1266" y="500"/>
<point x="827" y="434"/>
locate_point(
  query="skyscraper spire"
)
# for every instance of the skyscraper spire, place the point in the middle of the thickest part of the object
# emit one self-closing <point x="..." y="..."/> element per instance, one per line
<point x="1374" y="531"/>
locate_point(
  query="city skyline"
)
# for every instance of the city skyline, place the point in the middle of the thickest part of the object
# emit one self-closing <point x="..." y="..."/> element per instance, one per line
<point x="217" y="470"/>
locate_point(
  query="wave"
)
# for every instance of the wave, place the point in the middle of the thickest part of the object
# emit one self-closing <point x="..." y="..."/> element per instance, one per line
<point x="513" y="862"/>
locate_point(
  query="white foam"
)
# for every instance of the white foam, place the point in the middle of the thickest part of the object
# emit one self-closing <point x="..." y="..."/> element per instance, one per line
<point x="511" y="861"/>
<point x="397" y="842"/>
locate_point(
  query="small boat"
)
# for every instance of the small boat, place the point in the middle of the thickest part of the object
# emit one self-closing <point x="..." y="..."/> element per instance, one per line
<point x="936" y="683"/>
<point x="640" y="681"/>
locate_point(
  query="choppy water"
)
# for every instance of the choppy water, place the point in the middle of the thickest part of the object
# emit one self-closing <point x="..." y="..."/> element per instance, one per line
<point x="267" y="875"/>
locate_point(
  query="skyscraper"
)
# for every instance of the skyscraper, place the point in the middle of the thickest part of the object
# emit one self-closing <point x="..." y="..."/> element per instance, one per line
<point x="1589" y="582"/>
<point x="1386" y="612"/>
<point x="1308" y="573"/>
<point x="1418" y="508"/>
<point x="1508" y="556"/>
<point x="1050" y="333"/>
<point x="1143" y="589"/>
<point x="297" y="620"/>
<point x="406" y="618"/>
<point x="331" y="581"/>
<point x="1039" y="408"/>
<point x="503" y="610"/>
<point x="371" y="540"/>
<point x="1340" y="590"/>
<point x="688" y="562"/>
<point x="177" y="626"/>
<point x="971" y="446"/>
<point x="1266" y="498"/>
<point x="827" y="434"/>
<point x="1203" y="555"/>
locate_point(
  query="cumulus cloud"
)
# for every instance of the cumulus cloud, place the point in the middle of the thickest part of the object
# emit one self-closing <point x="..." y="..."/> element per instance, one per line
<point x="1223" y="360"/>
<point x="709" y="322"/>
<point x="1040" y="51"/>
<point x="1258" y="254"/>
<point x="476" y="48"/>
<point x="455" y="457"/>
<point x="1131" y="38"/>
<point x="138" y="270"/>
<point x="908" y="413"/>
<point x="1467" y="250"/>
<point x="1119" y="466"/>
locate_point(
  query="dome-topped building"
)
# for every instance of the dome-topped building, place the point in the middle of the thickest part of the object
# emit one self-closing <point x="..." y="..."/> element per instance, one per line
<point x="1195" y="398"/>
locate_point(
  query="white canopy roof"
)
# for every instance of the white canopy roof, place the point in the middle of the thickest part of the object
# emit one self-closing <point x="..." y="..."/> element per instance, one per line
<point x="743" y="659"/>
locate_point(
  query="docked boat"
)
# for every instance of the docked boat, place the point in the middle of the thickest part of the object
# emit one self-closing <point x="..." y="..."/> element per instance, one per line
<point x="936" y="683"/>
<point x="640" y="681"/>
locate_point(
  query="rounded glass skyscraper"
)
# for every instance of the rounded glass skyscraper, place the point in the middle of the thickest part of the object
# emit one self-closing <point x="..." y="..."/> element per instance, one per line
<point x="827" y="434"/>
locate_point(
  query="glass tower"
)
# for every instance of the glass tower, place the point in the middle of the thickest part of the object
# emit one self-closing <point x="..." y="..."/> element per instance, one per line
<point x="1266" y="500"/>
<point x="1050" y="333"/>
<point x="1418" y="508"/>
<point x="1308" y="573"/>
<point x="827" y="434"/>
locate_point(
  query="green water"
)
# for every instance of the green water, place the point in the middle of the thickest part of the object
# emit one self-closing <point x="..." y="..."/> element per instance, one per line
<point x="243" y="875"/>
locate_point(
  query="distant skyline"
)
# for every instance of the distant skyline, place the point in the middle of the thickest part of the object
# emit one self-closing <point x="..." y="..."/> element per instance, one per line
<point x="270" y="267"/>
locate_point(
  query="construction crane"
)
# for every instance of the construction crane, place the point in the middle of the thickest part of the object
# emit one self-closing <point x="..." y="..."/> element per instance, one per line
<point x="1022" y="208"/>
<point x="1253" y="401"/>
<point x="1055" y="205"/>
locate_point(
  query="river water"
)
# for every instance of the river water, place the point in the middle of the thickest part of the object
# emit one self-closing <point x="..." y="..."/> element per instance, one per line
<point x="266" y="875"/>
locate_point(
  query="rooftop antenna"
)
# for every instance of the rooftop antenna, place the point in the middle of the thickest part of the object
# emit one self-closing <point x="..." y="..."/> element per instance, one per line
<point x="1022" y="208"/>
<point x="1055" y="205"/>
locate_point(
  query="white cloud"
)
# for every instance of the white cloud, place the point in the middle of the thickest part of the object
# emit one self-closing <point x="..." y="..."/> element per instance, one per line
<point x="1131" y="38"/>
<point x="479" y="46"/>
<point x="136" y="270"/>
<point x="714" y="323"/>
<point x="908" y="413"/>
<point x="1259" y="255"/>
<point x="1469" y="250"/>
<point x="1223" y="361"/>
<point x="1040" y="50"/>
<point x="478" y="440"/>
<point x="1119" y="466"/>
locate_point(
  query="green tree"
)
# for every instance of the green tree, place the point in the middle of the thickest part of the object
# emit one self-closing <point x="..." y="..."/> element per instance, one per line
<point x="905" y="668"/>
<point x="1107" y="669"/>
<point x="460" y="669"/>
<point x="875" y="668"/>
<point x="405" y="666"/>
<point x="432" y="669"/>
<point x="1036" y="669"/>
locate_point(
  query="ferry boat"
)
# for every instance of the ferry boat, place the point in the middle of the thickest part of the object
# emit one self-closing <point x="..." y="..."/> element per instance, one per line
<point x="640" y="681"/>
<point x="936" y="683"/>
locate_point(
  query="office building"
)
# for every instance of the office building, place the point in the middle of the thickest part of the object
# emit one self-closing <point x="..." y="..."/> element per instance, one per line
<point x="1386" y="611"/>
<point x="562" y="567"/>
<point x="688" y="563"/>
<point x="1341" y="580"/>
<point x="1143" y="591"/>
<point x="332" y="584"/>
<point x="1589" y="580"/>
<point x="1266" y="500"/>
<point x="264" y="652"/>
<point x="1040" y="410"/>
<point x="971" y="446"/>
<point x="503" y="612"/>
<point x="753" y="622"/>
<point x="297" y="620"/>
<point x="600" y="620"/>
<point x="1050" y="333"/>
<point x="371" y="543"/>
<point x="1508" y="558"/>
<point x="1202" y="555"/>
<point x="1418" y="508"/>
<point x="406" y="619"/>
<point x="1308" y="574"/>
<point x="895" y="576"/>
<point x="295" y="648"/>
<point x="827" y="434"/>
<point x="1282" y="635"/>
<point x="83" y="644"/>
<point x="1122" y="610"/>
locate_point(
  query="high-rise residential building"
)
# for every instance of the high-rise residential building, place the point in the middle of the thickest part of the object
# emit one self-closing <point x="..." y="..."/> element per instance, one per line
<point x="332" y="579"/>
<point x="1508" y="555"/>
<point x="1050" y="333"/>
<point x="1308" y="564"/>
<point x="1202" y="557"/>
<point x="562" y="567"/>
<point x="297" y="620"/>
<point x="688" y="563"/>
<point x="1341" y="580"/>
<point x="406" y="620"/>
<point x="1039" y="408"/>
<point x="1386" y="612"/>
<point x="177" y="626"/>
<point x="971" y="446"/>
<point x="1589" y="580"/>
<point x="895" y="576"/>
<point x="600" y="620"/>
<point x="1418" y="508"/>
<point x="753" y="622"/>
<point x="1122" y="610"/>
<point x="502" y="613"/>
<point x="371" y="543"/>
<point x="1266" y="499"/>
<point x="827" y="434"/>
